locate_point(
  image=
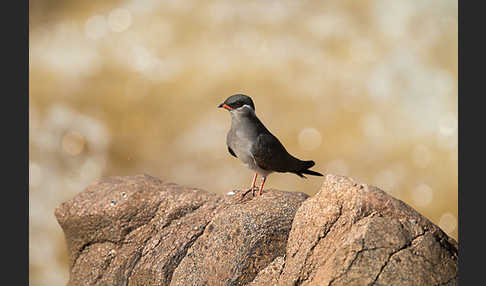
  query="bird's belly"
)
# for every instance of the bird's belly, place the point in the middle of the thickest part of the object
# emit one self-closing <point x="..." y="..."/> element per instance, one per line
<point x="240" y="142"/>
<point x="247" y="158"/>
<point x="241" y="147"/>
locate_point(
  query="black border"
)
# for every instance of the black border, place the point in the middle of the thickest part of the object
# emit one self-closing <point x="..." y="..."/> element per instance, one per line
<point x="15" y="139"/>
<point x="471" y="217"/>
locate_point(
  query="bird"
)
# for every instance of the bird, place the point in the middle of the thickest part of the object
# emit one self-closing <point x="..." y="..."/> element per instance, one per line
<point x="254" y="145"/>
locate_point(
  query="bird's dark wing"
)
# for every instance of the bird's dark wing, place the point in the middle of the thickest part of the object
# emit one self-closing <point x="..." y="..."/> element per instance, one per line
<point x="231" y="152"/>
<point x="270" y="154"/>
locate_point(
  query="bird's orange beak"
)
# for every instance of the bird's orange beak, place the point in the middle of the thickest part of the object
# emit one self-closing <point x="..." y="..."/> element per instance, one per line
<point x="225" y="106"/>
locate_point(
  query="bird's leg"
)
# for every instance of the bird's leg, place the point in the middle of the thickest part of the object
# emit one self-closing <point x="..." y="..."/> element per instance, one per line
<point x="253" y="185"/>
<point x="261" y="185"/>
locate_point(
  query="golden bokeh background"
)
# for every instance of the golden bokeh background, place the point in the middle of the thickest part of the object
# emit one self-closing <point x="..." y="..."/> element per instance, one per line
<point x="366" y="89"/>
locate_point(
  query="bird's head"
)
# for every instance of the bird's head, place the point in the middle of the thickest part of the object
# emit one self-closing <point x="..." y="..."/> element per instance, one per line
<point x="236" y="101"/>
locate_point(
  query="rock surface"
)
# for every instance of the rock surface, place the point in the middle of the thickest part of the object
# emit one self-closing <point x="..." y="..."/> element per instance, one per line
<point x="355" y="234"/>
<point x="139" y="230"/>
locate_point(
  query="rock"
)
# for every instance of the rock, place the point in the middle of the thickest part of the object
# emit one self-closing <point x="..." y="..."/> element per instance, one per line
<point x="240" y="240"/>
<point x="270" y="274"/>
<point x="355" y="234"/>
<point x="139" y="230"/>
<point x="132" y="227"/>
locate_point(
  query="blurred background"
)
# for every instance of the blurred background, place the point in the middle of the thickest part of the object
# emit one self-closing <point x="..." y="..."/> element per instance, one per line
<point x="366" y="89"/>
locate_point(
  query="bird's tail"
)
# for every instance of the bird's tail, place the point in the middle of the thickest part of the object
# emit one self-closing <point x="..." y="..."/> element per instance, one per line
<point x="304" y="169"/>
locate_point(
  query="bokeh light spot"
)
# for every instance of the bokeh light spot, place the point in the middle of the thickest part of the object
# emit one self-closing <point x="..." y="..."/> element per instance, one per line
<point x="142" y="58"/>
<point x="387" y="180"/>
<point x="73" y="143"/>
<point x="338" y="166"/>
<point x="95" y="27"/>
<point x="447" y="131"/>
<point x="448" y="222"/>
<point x="448" y="125"/>
<point x="119" y="20"/>
<point x="310" y="138"/>
<point x="372" y="126"/>
<point x="422" y="195"/>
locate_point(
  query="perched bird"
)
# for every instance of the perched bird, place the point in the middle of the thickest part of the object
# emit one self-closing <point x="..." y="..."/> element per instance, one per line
<point x="251" y="142"/>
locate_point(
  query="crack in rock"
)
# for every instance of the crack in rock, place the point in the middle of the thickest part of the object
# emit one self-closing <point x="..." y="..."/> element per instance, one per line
<point x="176" y="216"/>
<point x="179" y="258"/>
<point x="407" y="245"/>
<point x="310" y="252"/>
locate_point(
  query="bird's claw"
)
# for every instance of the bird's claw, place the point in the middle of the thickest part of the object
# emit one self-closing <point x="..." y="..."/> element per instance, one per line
<point x="249" y="190"/>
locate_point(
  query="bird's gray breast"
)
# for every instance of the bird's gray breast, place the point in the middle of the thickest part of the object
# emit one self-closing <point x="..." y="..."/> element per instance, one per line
<point x="240" y="142"/>
<point x="240" y="139"/>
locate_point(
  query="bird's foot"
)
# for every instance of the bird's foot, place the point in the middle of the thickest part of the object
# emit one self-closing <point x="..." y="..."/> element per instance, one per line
<point x="249" y="190"/>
